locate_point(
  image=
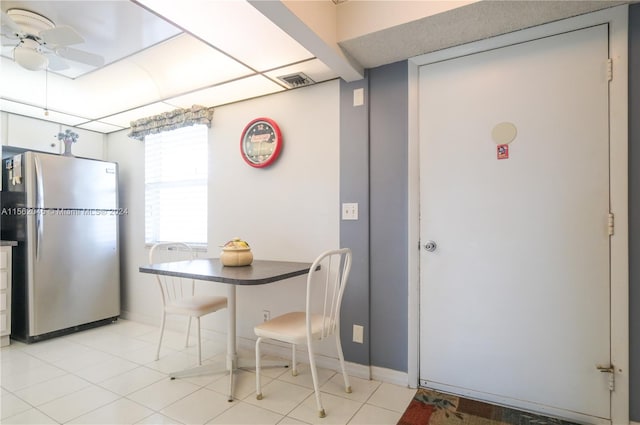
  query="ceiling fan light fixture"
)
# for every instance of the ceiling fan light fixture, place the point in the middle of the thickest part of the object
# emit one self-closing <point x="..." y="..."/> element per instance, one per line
<point x="30" y="58"/>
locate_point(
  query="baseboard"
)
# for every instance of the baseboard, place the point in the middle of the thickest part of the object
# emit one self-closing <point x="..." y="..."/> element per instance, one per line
<point x="634" y="423"/>
<point x="391" y="376"/>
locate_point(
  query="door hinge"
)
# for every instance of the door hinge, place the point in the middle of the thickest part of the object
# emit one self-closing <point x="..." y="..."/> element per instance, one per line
<point x="610" y="224"/>
<point x="612" y="376"/>
<point x="609" y="69"/>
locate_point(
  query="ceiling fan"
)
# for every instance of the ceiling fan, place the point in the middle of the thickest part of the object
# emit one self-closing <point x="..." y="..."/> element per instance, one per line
<point x="41" y="44"/>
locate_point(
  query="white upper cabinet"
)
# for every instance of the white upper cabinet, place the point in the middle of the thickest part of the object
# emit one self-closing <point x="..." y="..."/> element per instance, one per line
<point x="32" y="134"/>
<point x="89" y="144"/>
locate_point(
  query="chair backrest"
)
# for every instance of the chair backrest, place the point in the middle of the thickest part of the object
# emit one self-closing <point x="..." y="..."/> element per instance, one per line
<point x="171" y="287"/>
<point x="326" y="282"/>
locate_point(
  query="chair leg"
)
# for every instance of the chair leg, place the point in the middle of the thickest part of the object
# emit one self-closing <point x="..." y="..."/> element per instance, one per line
<point x="186" y="341"/>
<point x="258" y="386"/>
<point x="347" y="385"/>
<point x="294" y="367"/>
<point x="199" y="341"/>
<point x="164" y="315"/>
<point x="316" y="387"/>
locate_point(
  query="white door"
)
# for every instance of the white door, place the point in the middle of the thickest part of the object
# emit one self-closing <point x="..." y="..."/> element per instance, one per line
<point x="514" y="192"/>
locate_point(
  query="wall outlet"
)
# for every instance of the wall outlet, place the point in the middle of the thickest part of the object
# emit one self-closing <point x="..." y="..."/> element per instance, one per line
<point x="358" y="334"/>
<point x="266" y="315"/>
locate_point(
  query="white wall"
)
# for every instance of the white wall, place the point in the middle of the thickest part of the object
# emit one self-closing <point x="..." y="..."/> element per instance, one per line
<point x="288" y="211"/>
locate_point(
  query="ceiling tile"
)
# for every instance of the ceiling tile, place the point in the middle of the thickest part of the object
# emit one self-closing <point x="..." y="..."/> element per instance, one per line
<point x="192" y="65"/>
<point x="101" y="127"/>
<point x="252" y="39"/>
<point x="37" y="112"/>
<point x="124" y="119"/>
<point x="245" y="88"/>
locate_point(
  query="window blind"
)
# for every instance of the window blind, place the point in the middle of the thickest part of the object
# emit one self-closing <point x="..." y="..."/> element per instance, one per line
<point x="176" y="176"/>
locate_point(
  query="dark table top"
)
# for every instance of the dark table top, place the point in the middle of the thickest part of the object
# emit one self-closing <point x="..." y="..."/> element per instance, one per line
<point x="259" y="272"/>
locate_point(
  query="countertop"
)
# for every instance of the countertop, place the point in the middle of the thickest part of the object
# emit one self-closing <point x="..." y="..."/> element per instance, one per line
<point x="8" y="243"/>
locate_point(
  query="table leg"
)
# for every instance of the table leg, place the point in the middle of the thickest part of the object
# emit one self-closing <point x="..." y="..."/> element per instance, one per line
<point x="232" y="351"/>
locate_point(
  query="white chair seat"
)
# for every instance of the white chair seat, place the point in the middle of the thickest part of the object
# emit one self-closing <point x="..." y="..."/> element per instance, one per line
<point x="290" y="327"/>
<point x="196" y="306"/>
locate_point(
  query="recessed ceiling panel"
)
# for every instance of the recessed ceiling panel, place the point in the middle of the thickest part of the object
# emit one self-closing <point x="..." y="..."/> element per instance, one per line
<point x="191" y="65"/>
<point x="39" y="113"/>
<point x="227" y="93"/>
<point x="124" y="119"/>
<point x="100" y="127"/>
<point x="236" y="28"/>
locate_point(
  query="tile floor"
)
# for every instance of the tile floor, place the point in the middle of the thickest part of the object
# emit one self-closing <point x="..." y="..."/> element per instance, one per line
<point x="107" y="376"/>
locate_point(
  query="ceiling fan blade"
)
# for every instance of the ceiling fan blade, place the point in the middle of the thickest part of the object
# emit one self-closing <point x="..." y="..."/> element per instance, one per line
<point x="80" y="56"/>
<point x="6" y="21"/>
<point x="56" y="63"/>
<point x="61" y="36"/>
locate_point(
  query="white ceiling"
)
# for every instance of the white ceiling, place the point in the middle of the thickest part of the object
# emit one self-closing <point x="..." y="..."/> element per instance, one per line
<point x="167" y="54"/>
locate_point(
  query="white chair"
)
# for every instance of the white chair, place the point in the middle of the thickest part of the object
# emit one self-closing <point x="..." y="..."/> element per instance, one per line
<point x="326" y="281"/>
<point x="178" y="294"/>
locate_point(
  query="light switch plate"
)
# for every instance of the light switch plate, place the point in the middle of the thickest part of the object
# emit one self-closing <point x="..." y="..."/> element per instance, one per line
<point x="350" y="211"/>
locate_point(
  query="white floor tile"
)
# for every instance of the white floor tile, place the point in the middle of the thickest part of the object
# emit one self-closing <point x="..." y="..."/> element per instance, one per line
<point x="121" y="411"/>
<point x="244" y="413"/>
<point x="12" y="405"/>
<point x="392" y="397"/>
<point x="71" y="406"/>
<point x="244" y="384"/>
<point x="198" y="408"/>
<point x="305" y="377"/>
<point x="52" y="389"/>
<point x="16" y="379"/>
<point x="361" y="389"/>
<point x="338" y="410"/>
<point x="132" y="380"/>
<point x="373" y="415"/>
<point x="163" y="393"/>
<point x="280" y="397"/>
<point x="113" y="367"/>
<point x="31" y="416"/>
<point x="158" y="419"/>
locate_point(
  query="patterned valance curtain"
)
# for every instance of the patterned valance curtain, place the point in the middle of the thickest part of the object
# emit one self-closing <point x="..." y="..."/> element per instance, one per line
<point x="170" y="121"/>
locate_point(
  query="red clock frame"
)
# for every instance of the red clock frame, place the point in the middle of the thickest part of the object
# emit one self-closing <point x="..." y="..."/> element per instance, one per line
<point x="261" y="142"/>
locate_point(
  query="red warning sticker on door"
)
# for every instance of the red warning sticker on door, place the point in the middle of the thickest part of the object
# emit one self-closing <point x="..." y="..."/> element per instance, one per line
<point x="503" y="151"/>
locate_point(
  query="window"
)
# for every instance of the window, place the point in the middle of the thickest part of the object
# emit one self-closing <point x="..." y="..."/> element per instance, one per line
<point x="176" y="185"/>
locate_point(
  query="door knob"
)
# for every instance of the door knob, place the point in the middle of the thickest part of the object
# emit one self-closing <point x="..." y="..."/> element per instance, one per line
<point x="430" y="246"/>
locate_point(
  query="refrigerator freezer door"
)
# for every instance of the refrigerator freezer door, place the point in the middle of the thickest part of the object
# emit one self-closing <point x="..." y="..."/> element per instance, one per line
<point x="75" y="278"/>
<point x="67" y="182"/>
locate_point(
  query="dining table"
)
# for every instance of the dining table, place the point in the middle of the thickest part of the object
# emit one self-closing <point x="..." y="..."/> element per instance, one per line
<point x="259" y="272"/>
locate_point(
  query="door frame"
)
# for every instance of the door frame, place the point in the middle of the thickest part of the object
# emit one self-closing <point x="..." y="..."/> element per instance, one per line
<point x="617" y="19"/>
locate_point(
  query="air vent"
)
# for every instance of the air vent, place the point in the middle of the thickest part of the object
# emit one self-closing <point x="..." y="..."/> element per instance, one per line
<point x="296" y="80"/>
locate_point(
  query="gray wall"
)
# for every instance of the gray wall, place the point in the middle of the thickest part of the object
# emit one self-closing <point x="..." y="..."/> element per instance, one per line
<point x="388" y="144"/>
<point x="354" y="187"/>
<point x="373" y="172"/>
<point x="634" y="210"/>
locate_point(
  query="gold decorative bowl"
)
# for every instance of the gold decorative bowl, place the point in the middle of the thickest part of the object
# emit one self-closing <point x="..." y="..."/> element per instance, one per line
<point x="236" y="256"/>
<point x="236" y="252"/>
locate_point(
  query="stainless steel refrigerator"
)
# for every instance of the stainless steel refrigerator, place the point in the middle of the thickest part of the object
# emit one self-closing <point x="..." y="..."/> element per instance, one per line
<point x="63" y="212"/>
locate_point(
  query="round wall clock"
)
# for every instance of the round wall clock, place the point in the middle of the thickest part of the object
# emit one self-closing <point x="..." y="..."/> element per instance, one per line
<point x="261" y="142"/>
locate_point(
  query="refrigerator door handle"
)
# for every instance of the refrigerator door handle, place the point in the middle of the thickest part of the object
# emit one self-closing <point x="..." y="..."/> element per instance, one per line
<point x="39" y="204"/>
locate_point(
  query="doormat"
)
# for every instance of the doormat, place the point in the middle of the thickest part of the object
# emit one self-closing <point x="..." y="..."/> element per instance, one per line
<point x="435" y="408"/>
